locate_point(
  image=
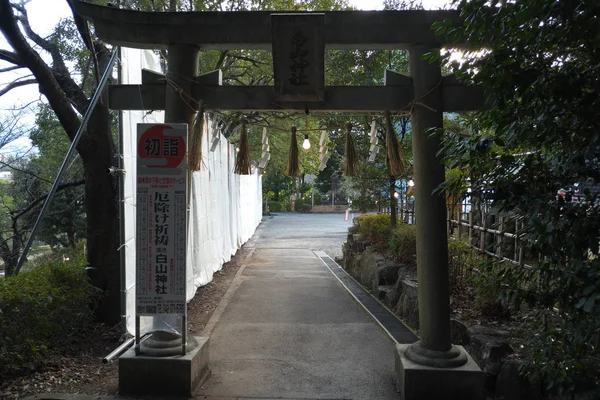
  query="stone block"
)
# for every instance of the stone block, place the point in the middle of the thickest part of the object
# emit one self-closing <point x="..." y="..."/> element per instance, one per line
<point x="382" y="291"/>
<point x="459" y="333"/>
<point x="392" y="297"/>
<point x="511" y="385"/>
<point x="174" y="376"/>
<point x="489" y="347"/>
<point x="418" y="382"/>
<point x="387" y="272"/>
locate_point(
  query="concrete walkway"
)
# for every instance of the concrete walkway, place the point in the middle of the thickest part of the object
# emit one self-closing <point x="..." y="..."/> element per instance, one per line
<point x="289" y="329"/>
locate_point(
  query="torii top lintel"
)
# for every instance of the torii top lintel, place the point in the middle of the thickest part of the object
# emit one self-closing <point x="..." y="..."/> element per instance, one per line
<point x="368" y="30"/>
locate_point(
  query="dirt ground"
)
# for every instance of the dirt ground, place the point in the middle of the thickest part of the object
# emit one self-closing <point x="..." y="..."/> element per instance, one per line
<point x="81" y="371"/>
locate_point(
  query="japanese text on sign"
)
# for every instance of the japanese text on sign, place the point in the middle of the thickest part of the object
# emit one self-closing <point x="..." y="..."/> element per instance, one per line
<point x="298" y="58"/>
<point x="161" y="219"/>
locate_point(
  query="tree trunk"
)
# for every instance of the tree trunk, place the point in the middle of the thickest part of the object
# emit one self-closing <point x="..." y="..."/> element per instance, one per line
<point x="7" y="256"/>
<point x="96" y="149"/>
<point x="102" y="215"/>
<point x="71" y="239"/>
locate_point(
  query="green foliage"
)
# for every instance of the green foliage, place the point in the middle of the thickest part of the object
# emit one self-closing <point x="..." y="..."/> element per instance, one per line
<point x="376" y="228"/>
<point x="318" y="197"/>
<point x="274" y="206"/>
<point x="540" y="132"/>
<point x="403" y="244"/>
<point x="65" y="223"/>
<point x="302" y="205"/>
<point x="486" y="281"/>
<point x="42" y="310"/>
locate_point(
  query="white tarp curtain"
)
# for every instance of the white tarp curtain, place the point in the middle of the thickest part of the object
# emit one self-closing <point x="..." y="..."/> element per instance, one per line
<point x="225" y="208"/>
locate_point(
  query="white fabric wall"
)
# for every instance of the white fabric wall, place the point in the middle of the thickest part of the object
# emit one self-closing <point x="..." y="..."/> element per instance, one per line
<point x="225" y="208"/>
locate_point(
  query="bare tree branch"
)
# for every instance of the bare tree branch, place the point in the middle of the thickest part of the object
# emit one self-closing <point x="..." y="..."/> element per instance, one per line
<point x="49" y="85"/>
<point x="14" y="67"/>
<point x="10" y="57"/>
<point x="59" y="68"/>
<point x="24" y="171"/>
<point x="11" y="128"/>
<point x="16" y="84"/>
<point x="34" y="203"/>
<point x="84" y="31"/>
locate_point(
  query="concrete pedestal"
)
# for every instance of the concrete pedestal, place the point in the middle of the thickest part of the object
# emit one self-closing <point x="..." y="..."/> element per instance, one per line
<point x="176" y="375"/>
<point x="418" y="382"/>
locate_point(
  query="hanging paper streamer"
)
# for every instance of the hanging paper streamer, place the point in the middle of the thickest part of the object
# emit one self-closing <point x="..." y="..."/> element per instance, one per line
<point x="242" y="161"/>
<point x="195" y="149"/>
<point x="323" y="157"/>
<point x="293" y="164"/>
<point x="352" y="163"/>
<point x="374" y="141"/>
<point x="394" y="155"/>
<point x="266" y="148"/>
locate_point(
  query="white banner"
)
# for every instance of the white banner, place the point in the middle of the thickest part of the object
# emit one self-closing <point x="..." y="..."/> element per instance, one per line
<point x="225" y="208"/>
<point x="161" y="219"/>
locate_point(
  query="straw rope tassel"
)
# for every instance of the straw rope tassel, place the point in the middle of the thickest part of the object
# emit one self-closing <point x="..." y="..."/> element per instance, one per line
<point x="195" y="148"/>
<point x="393" y="154"/>
<point x="293" y="164"/>
<point x="352" y="163"/>
<point x="242" y="161"/>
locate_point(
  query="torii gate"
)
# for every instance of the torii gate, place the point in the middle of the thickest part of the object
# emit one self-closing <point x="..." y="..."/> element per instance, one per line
<point x="432" y="368"/>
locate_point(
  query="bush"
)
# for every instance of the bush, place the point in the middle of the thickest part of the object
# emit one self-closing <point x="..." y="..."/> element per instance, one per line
<point x="41" y="310"/>
<point x="274" y="206"/>
<point x="463" y="260"/>
<point x="318" y="198"/>
<point x="487" y="283"/>
<point x="376" y="228"/>
<point x="303" y="205"/>
<point x="403" y="244"/>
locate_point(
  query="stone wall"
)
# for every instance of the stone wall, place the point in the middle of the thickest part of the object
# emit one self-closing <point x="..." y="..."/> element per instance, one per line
<point x="393" y="284"/>
<point x="324" y="208"/>
<point x="396" y="286"/>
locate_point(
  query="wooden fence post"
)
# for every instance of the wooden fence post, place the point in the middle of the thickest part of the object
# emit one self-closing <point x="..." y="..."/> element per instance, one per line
<point x="482" y="236"/>
<point x="499" y="238"/>
<point x="471" y="228"/>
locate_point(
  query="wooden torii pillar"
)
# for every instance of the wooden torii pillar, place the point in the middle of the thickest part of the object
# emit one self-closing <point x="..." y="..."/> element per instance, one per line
<point x="432" y="368"/>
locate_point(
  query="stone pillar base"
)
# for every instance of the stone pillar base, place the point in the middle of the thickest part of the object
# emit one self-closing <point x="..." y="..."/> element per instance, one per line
<point x="175" y="375"/>
<point x="418" y="382"/>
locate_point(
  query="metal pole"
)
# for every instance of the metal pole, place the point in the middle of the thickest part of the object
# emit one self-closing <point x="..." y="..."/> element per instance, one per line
<point x="119" y="350"/>
<point x="121" y="166"/>
<point x="86" y="118"/>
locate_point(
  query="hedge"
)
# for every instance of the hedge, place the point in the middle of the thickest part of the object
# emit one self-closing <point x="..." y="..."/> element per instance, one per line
<point x="42" y="310"/>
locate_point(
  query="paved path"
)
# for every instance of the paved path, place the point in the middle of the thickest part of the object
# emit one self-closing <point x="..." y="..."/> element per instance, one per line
<point x="290" y="330"/>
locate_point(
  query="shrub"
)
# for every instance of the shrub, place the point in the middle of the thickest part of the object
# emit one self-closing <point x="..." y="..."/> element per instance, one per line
<point x="376" y="228"/>
<point x="463" y="260"/>
<point x="285" y="205"/>
<point x="318" y="198"/>
<point x="303" y="207"/>
<point x="487" y="283"/>
<point x="403" y="244"/>
<point x="274" y="206"/>
<point x="41" y="310"/>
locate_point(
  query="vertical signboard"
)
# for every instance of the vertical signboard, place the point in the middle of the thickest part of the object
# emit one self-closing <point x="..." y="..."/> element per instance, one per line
<point x="161" y="219"/>
<point x="299" y="56"/>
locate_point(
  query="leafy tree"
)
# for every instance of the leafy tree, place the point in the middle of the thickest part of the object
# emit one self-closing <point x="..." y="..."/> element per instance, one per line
<point x="540" y="132"/>
<point x="64" y="223"/>
<point x="70" y="99"/>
